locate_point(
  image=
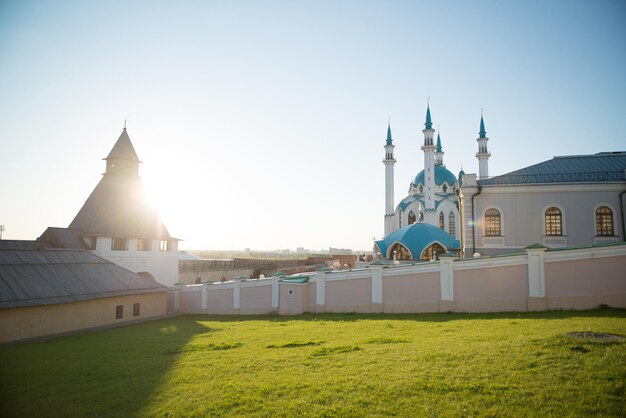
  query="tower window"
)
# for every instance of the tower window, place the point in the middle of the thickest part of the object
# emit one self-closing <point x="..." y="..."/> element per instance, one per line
<point x="144" y="245"/>
<point x="119" y="244"/>
<point x="441" y="221"/>
<point x="451" y="224"/>
<point x="421" y="218"/>
<point x="411" y="218"/>
<point x="492" y="223"/>
<point x="554" y="221"/>
<point x="445" y="188"/>
<point x="421" y="189"/>
<point x="604" y="222"/>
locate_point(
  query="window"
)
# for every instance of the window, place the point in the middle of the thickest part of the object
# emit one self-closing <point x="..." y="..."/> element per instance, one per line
<point x="433" y="252"/>
<point x="441" y="220"/>
<point x="144" y="245"/>
<point x="451" y="224"/>
<point x="411" y="218"/>
<point x="91" y="242"/>
<point x="604" y="222"/>
<point x="135" y="309"/>
<point x="554" y="223"/>
<point x="119" y="244"/>
<point x="402" y="253"/>
<point x="119" y="311"/>
<point x="492" y="223"/>
<point x="444" y="188"/>
<point x="164" y="245"/>
<point x="421" y="217"/>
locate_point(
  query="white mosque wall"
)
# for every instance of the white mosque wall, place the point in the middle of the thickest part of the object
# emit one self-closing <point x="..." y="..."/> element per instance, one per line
<point x="522" y="210"/>
<point x="536" y="280"/>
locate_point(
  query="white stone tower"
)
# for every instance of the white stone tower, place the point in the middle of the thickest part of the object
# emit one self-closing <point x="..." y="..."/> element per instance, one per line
<point x="482" y="154"/>
<point x="429" y="149"/>
<point x="389" y="162"/>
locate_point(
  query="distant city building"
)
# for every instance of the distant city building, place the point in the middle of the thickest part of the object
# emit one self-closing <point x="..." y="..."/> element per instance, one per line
<point x="566" y="201"/>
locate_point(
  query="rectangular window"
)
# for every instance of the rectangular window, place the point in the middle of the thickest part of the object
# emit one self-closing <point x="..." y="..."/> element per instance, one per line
<point x="119" y="244"/>
<point x="91" y="242"/>
<point x="144" y="245"/>
<point x="164" y="245"/>
<point x="119" y="311"/>
<point x="135" y="309"/>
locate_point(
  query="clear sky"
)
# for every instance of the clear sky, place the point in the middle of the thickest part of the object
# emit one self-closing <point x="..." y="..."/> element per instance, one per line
<point x="261" y="124"/>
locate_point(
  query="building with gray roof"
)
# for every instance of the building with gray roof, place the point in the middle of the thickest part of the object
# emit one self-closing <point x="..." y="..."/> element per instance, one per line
<point x="46" y="290"/>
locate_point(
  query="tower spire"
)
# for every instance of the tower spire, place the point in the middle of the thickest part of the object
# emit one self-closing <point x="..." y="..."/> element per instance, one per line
<point x="429" y="122"/>
<point x="482" y="132"/>
<point x="389" y="140"/>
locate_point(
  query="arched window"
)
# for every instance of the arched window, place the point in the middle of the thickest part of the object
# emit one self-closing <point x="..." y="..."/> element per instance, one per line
<point x="554" y="221"/>
<point x="421" y="189"/>
<point x="441" y="220"/>
<point x="411" y="218"/>
<point x="451" y="224"/>
<point x="433" y="251"/>
<point x="421" y="216"/>
<point x="401" y="252"/>
<point x="604" y="222"/>
<point x="492" y="223"/>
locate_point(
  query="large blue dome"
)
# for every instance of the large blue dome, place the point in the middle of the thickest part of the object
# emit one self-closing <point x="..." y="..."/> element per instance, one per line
<point x="442" y="175"/>
<point x="416" y="238"/>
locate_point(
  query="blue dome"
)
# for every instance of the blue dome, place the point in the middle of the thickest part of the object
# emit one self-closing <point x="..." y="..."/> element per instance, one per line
<point x="442" y="175"/>
<point x="416" y="238"/>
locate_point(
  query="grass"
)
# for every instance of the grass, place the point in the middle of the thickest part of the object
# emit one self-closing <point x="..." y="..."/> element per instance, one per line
<point x="505" y="364"/>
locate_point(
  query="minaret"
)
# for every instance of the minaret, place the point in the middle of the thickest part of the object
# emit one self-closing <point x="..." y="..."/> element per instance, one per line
<point x="439" y="153"/>
<point x="429" y="170"/>
<point x="389" y="162"/>
<point x="482" y="154"/>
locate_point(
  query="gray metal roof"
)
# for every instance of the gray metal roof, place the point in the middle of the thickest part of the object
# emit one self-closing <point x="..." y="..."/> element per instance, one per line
<point x="64" y="238"/>
<point x="32" y="277"/>
<point x="604" y="167"/>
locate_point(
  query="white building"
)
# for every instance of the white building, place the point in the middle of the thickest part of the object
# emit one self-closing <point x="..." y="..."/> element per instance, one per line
<point x="566" y="201"/>
<point x="118" y="224"/>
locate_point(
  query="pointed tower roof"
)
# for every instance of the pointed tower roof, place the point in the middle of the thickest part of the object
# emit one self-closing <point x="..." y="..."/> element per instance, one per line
<point x="429" y="122"/>
<point x="389" y="140"/>
<point x="482" y="132"/>
<point x="118" y="207"/>
<point x="439" y="149"/>
<point x="123" y="149"/>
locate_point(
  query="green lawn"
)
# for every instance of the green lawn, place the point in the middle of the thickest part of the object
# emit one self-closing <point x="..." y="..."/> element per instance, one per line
<point x="325" y="365"/>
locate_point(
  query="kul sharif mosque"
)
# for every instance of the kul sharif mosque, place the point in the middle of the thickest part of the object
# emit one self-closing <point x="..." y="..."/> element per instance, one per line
<point x="426" y="223"/>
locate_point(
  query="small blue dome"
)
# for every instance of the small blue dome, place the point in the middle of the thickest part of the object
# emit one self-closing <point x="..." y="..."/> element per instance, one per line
<point x="416" y="238"/>
<point x="442" y="175"/>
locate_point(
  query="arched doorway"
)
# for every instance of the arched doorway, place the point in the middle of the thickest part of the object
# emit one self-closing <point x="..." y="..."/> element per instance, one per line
<point x="435" y="249"/>
<point x="402" y="253"/>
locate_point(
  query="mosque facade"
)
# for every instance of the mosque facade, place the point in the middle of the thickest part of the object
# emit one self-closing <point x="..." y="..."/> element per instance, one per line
<point x="563" y="202"/>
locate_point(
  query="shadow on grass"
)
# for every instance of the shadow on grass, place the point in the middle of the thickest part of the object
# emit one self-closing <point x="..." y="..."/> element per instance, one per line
<point x="109" y="373"/>
<point x="420" y="317"/>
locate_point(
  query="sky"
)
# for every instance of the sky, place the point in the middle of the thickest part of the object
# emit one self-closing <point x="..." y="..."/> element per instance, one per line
<point x="261" y="124"/>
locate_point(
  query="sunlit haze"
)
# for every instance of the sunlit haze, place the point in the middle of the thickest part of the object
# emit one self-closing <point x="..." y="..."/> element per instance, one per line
<point x="261" y="124"/>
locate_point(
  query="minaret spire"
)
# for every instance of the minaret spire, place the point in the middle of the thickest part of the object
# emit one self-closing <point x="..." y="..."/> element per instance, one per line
<point x="439" y="152"/>
<point x="389" y="162"/>
<point x="482" y="154"/>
